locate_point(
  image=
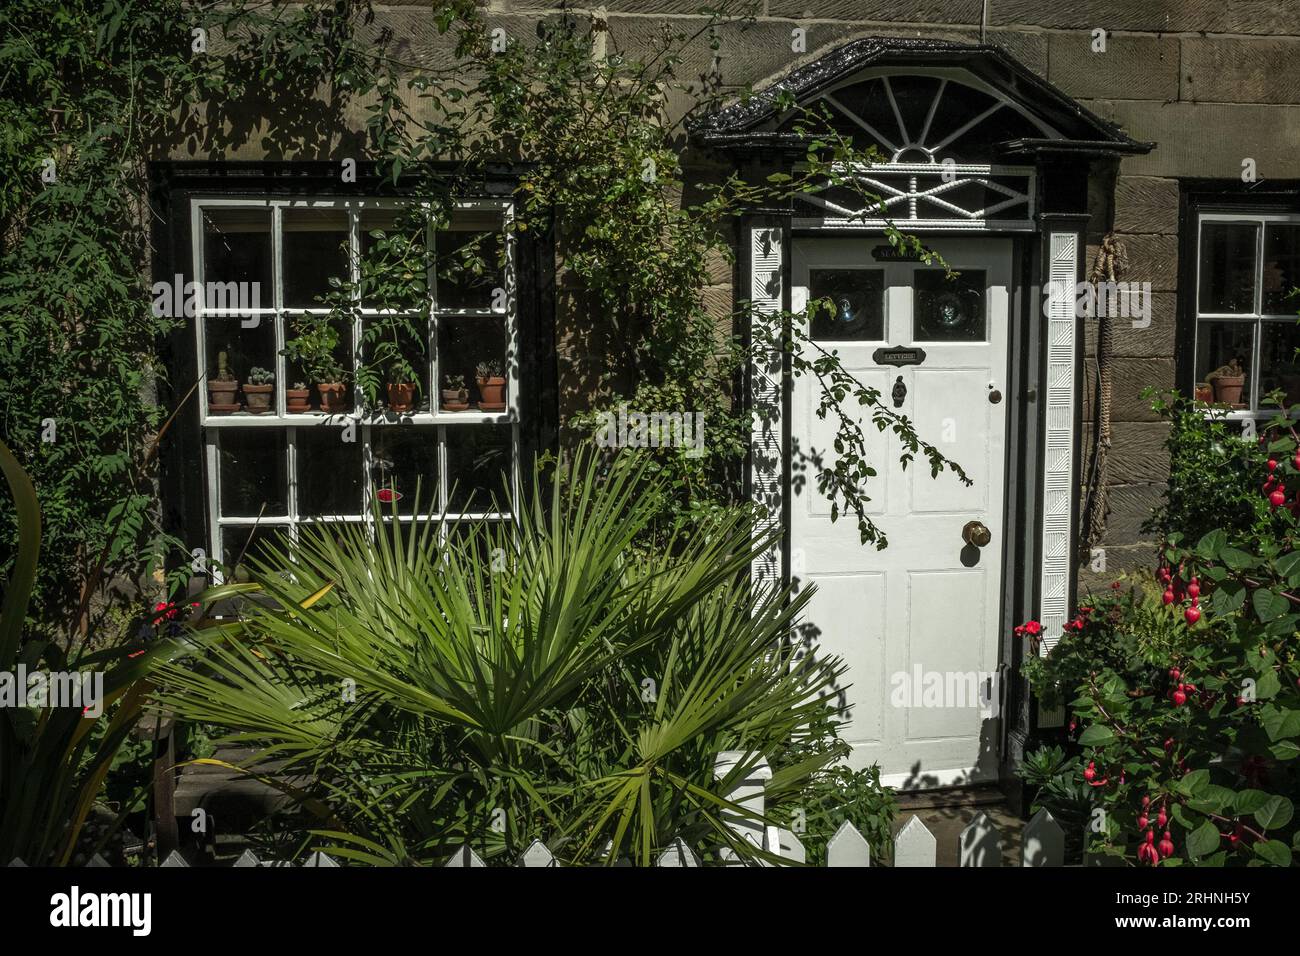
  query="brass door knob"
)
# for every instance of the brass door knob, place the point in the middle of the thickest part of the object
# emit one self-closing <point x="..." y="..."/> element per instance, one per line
<point x="976" y="533"/>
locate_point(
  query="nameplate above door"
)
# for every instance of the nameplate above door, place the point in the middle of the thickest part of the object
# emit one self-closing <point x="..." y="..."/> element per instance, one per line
<point x="898" y="356"/>
<point x="894" y="254"/>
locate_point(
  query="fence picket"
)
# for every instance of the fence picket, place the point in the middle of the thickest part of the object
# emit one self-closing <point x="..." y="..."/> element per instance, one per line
<point x="789" y="846"/>
<point x="915" y="845"/>
<point x="17" y="861"/>
<point x="980" y="844"/>
<point x="174" y="858"/>
<point x="320" y="859"/>
<point x="1043" y="841"/>
<point x="465" y="856"/>
<point x="678" y="854"/>
<point x="248" y="858"/>
<point x="98" y="861"/>
<point x="537" y="855"/>
<point x="848" y="847"/>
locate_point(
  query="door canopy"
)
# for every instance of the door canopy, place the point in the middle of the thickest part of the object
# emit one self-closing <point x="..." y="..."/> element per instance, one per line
<point x="957" y="131"/>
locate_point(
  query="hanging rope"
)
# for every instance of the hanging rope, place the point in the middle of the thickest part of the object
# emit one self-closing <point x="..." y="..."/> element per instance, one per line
<point x="1110" y="264"/>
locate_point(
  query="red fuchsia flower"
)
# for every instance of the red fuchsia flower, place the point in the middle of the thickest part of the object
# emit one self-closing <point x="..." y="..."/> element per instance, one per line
<point x="1166" y="846"/>
<point x="1147" y="852"/>
<point x="1115" y="585"/>
<point x="388" y="495"/>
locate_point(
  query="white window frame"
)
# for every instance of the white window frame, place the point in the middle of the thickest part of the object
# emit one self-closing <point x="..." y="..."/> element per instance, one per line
<point x="1255" y="318"/>
<point x="435" y="421"/>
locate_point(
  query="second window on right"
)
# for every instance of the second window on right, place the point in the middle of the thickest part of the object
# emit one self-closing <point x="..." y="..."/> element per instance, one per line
<point x="1247" y="308"/>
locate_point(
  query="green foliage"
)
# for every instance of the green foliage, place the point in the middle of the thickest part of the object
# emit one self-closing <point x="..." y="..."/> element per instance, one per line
<point x="1059" y="788"/>
<point x="813" y="808"/>
<point x="393" y="277"/>
<point x="1123" y="628"/>
<point x="54" y="760"/>
<point x="641" y="238"/>
<point x="90" y="88"/>
<point x="1214" y="474"/>
<point x="515" y="683"/>
<point x="314" y="348"/>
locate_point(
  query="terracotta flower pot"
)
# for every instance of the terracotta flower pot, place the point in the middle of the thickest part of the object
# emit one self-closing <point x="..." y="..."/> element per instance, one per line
<point x="299" y="400"/>
<point x="1204" y="392"/>
<point x="492" y="393"/>
<point x="401" y="396"/>
<point x="333" y="397"/>
<point x="221" y="397"/>
<point x="1227" y="388"/>
<point x="455" y="399"/>
<point x="258" y="398"/>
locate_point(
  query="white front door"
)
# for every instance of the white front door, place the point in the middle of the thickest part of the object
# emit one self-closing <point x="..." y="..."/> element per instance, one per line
<point x="917" y="623"/>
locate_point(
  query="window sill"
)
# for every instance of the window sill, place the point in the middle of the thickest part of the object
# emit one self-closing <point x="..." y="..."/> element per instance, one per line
<point x="246" y="420"/>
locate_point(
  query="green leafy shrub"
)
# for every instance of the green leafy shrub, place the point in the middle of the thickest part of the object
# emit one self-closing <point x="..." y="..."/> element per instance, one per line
<point x="1214" y="475"/>
<point x="813" y="808"/>
<point x="54" y="759"/>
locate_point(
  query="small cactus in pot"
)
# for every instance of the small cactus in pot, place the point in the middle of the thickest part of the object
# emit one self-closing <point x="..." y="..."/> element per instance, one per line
<point x="259" y="390"/>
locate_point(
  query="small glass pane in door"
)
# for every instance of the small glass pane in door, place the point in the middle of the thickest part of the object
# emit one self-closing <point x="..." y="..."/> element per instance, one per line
<point x="857" y="304"/>
<point x="949" y="308"/>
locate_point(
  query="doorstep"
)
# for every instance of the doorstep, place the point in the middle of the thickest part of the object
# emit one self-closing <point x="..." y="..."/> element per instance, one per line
<point x="947" y="812"/>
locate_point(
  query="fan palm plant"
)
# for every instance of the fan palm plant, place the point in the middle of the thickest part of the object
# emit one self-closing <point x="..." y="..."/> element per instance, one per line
<point x="515" y="680"/>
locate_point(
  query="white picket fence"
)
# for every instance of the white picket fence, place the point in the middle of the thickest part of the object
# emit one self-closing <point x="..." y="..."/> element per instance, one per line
<point x="1042" y="843"/>
<point x="247" y="858"/>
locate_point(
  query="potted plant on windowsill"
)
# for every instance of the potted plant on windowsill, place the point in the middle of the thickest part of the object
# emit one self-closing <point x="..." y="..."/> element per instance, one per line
<point x="313" y="347"/>
<point x="222" y="389"/>
<point x="391" y="341"/>
<point x="1228" y="382"/>
<point x="455" y="396"/>
<point x="491" y="382"/>
<point x="299" y="398"/>
<point x="393" y="280"/>
<point x="259" y="390"/>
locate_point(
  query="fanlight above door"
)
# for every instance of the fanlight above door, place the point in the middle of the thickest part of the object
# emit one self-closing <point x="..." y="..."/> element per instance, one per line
<point x="936" y="139"/>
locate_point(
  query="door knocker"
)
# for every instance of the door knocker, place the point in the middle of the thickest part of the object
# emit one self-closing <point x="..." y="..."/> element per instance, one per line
<point x="899" y="392"/>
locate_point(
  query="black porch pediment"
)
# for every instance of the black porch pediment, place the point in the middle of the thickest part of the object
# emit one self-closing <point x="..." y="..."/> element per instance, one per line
<point x="871" y="84"/>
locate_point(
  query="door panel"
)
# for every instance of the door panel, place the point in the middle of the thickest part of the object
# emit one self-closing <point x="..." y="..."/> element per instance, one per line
<point x="917" y="622"/>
